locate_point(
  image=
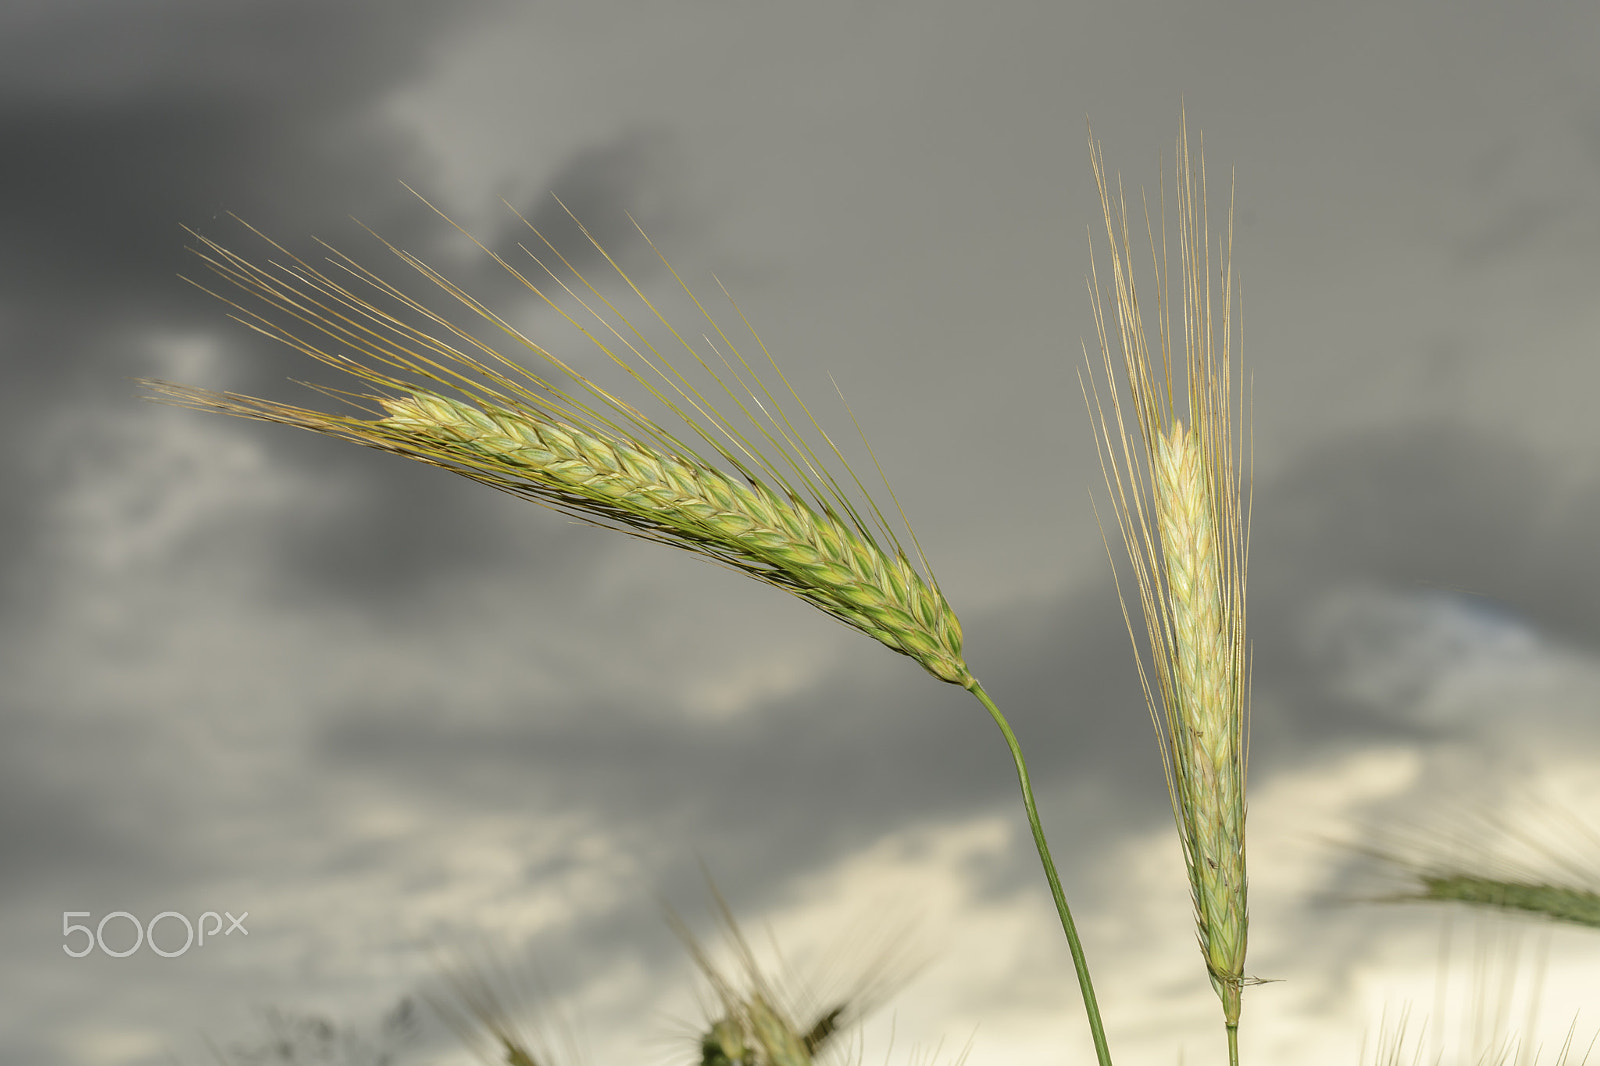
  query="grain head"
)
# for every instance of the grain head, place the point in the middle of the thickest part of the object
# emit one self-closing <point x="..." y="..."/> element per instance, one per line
<point x="1175" y="485"/>
<point x="1544" y="863"/>
<point x="757" y="1021"/>
<point x="1559" y="903"/>
<point x="756" y="497"/>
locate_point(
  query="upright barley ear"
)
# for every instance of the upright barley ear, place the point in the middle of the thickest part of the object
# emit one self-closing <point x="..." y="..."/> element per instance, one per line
<point x="1176" y="492"/>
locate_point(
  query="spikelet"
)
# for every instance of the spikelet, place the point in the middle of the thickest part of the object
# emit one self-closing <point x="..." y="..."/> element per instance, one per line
<point x="770" y="509"/>
<point x="1177" y="503"/>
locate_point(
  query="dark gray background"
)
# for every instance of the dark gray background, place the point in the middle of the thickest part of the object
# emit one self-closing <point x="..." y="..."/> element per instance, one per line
<point x="389" y="713"/>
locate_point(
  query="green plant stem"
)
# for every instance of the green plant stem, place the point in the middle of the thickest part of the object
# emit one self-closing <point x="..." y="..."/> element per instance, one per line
<point x="1090" y="1006"/>
<point x="1233" y="1045"/>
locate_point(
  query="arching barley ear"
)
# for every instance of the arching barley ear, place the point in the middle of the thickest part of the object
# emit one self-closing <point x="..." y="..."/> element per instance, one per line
<point x="757" y="496"/>
<point x="1175" y="480"/>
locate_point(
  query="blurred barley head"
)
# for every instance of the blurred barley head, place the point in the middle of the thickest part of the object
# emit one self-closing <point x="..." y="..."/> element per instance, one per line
<point x="758" y="1018"/>
<point x="755" y="496"/>
<point x="1543" y="864"/>
<point x="1175" y="479"/>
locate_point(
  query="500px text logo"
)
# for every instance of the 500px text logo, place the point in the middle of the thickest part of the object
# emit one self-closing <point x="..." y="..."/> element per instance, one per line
<point x="142" y="934"/>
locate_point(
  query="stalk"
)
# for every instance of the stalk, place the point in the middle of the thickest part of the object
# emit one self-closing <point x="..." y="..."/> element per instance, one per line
<point x="1090" y="1006"/>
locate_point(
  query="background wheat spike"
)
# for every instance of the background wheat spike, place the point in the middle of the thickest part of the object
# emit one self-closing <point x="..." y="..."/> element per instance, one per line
<point x="1541" y="864"/>
<point x="1177" y="502"/>
<point x="757" y="1022"/>
<point x="1559" y="903"/>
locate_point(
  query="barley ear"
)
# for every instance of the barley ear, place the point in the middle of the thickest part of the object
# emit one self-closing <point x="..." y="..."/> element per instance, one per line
<point x="1540" y="865"/>
<point x="1174" y="480"/>
<point x="754" y="1027"/>
<point x="763" y="501"/>
<point x="1566" y="904"/>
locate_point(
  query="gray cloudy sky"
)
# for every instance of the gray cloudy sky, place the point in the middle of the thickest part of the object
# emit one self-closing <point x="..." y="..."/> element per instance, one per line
<point x="386" y="711"/>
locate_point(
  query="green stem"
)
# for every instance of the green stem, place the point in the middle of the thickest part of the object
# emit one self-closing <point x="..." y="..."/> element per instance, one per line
<point x="1233" y="1045"/>
<point x="1090" y="1007"/>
